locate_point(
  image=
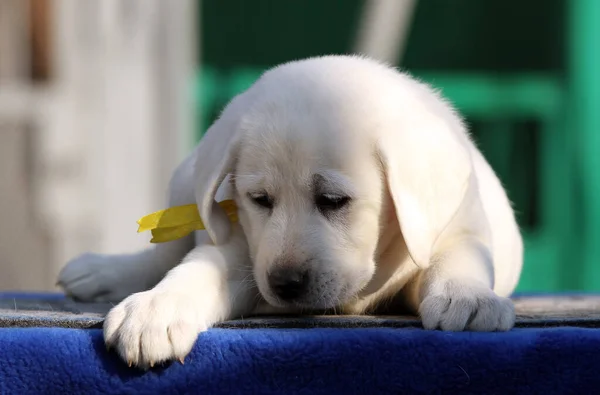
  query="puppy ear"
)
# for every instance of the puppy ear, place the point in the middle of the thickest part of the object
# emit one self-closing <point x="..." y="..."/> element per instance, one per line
<point x="428" y="170"/>
<point x="215" y="158"/>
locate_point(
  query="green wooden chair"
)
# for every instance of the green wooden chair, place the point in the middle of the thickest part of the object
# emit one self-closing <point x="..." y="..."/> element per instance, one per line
<point x="563" y="250"/>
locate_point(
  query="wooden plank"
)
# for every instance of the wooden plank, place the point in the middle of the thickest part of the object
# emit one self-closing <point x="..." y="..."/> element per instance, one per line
<point x="532" y="311"/>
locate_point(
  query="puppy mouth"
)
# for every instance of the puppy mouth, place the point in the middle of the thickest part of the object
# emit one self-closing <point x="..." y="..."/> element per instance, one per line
<point x="314" y="299"/>
<point x="302" y="304"/>
<point x="301" y="287"/>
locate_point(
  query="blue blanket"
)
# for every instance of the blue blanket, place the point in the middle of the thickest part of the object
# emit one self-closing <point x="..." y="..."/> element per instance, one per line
<point x="311" y="361"/>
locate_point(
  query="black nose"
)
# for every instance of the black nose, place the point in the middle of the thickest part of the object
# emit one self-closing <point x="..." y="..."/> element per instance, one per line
<point x="288" y="283"/>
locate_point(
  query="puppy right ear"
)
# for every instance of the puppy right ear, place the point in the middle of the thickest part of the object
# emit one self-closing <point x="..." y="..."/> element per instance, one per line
<point x="215" y="158"/>
<point x="429" y="171"/>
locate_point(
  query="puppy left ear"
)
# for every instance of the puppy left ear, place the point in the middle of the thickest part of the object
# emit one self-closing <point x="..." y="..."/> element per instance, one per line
<point x="215" y="158"/>
<point x="428" y="171"/>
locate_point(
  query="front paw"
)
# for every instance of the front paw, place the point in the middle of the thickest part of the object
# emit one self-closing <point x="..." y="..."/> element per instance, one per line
<point x="152" y="327"/>
<point x="462" y="305"/>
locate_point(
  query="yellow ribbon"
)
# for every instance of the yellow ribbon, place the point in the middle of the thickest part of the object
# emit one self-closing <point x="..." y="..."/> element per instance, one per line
<point x="176" y="222"/>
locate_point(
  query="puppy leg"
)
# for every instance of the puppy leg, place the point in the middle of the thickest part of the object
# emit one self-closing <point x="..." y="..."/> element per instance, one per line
<point x="212" y="284"/>
<point x="456" y="294"/>
<point x="111" y="278"/>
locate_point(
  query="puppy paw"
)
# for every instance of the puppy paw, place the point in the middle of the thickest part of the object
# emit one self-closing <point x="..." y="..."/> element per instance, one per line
<point x="461" y="305"/>
<point x="101" y="278"/>
<point x="152" y="327"/>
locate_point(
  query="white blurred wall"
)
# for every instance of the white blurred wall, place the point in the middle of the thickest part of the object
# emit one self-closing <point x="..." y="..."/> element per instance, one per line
<point x="85" y="154"/>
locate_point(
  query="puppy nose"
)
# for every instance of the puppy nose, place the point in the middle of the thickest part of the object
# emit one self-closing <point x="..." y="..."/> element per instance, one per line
<point x="288" y="283"/>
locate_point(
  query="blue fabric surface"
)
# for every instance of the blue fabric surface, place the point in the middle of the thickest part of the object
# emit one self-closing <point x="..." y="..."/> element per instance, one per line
<point x="311" y="361"/>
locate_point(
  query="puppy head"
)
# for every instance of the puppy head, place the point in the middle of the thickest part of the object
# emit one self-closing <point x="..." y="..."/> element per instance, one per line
<point x="309" y="200"/>
<point x="313" y="149"/>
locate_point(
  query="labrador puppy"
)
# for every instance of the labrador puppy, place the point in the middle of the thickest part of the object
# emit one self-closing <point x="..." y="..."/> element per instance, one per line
<point x="356" y="185"/>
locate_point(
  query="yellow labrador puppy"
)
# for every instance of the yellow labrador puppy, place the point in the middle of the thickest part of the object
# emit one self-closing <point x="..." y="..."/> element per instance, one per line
<point x="356" y="186"/>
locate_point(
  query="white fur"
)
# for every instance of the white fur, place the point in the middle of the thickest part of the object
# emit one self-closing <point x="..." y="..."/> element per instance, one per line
<point x="427" y="221"/>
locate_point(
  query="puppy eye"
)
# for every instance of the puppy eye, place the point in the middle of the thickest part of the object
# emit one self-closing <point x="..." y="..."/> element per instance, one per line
<point x="327" y="202"/>
<point x="262" y="200"/>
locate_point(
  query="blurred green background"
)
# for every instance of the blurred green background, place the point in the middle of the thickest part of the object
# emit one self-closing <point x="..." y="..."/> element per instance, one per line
<point x="525" y="74"/>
